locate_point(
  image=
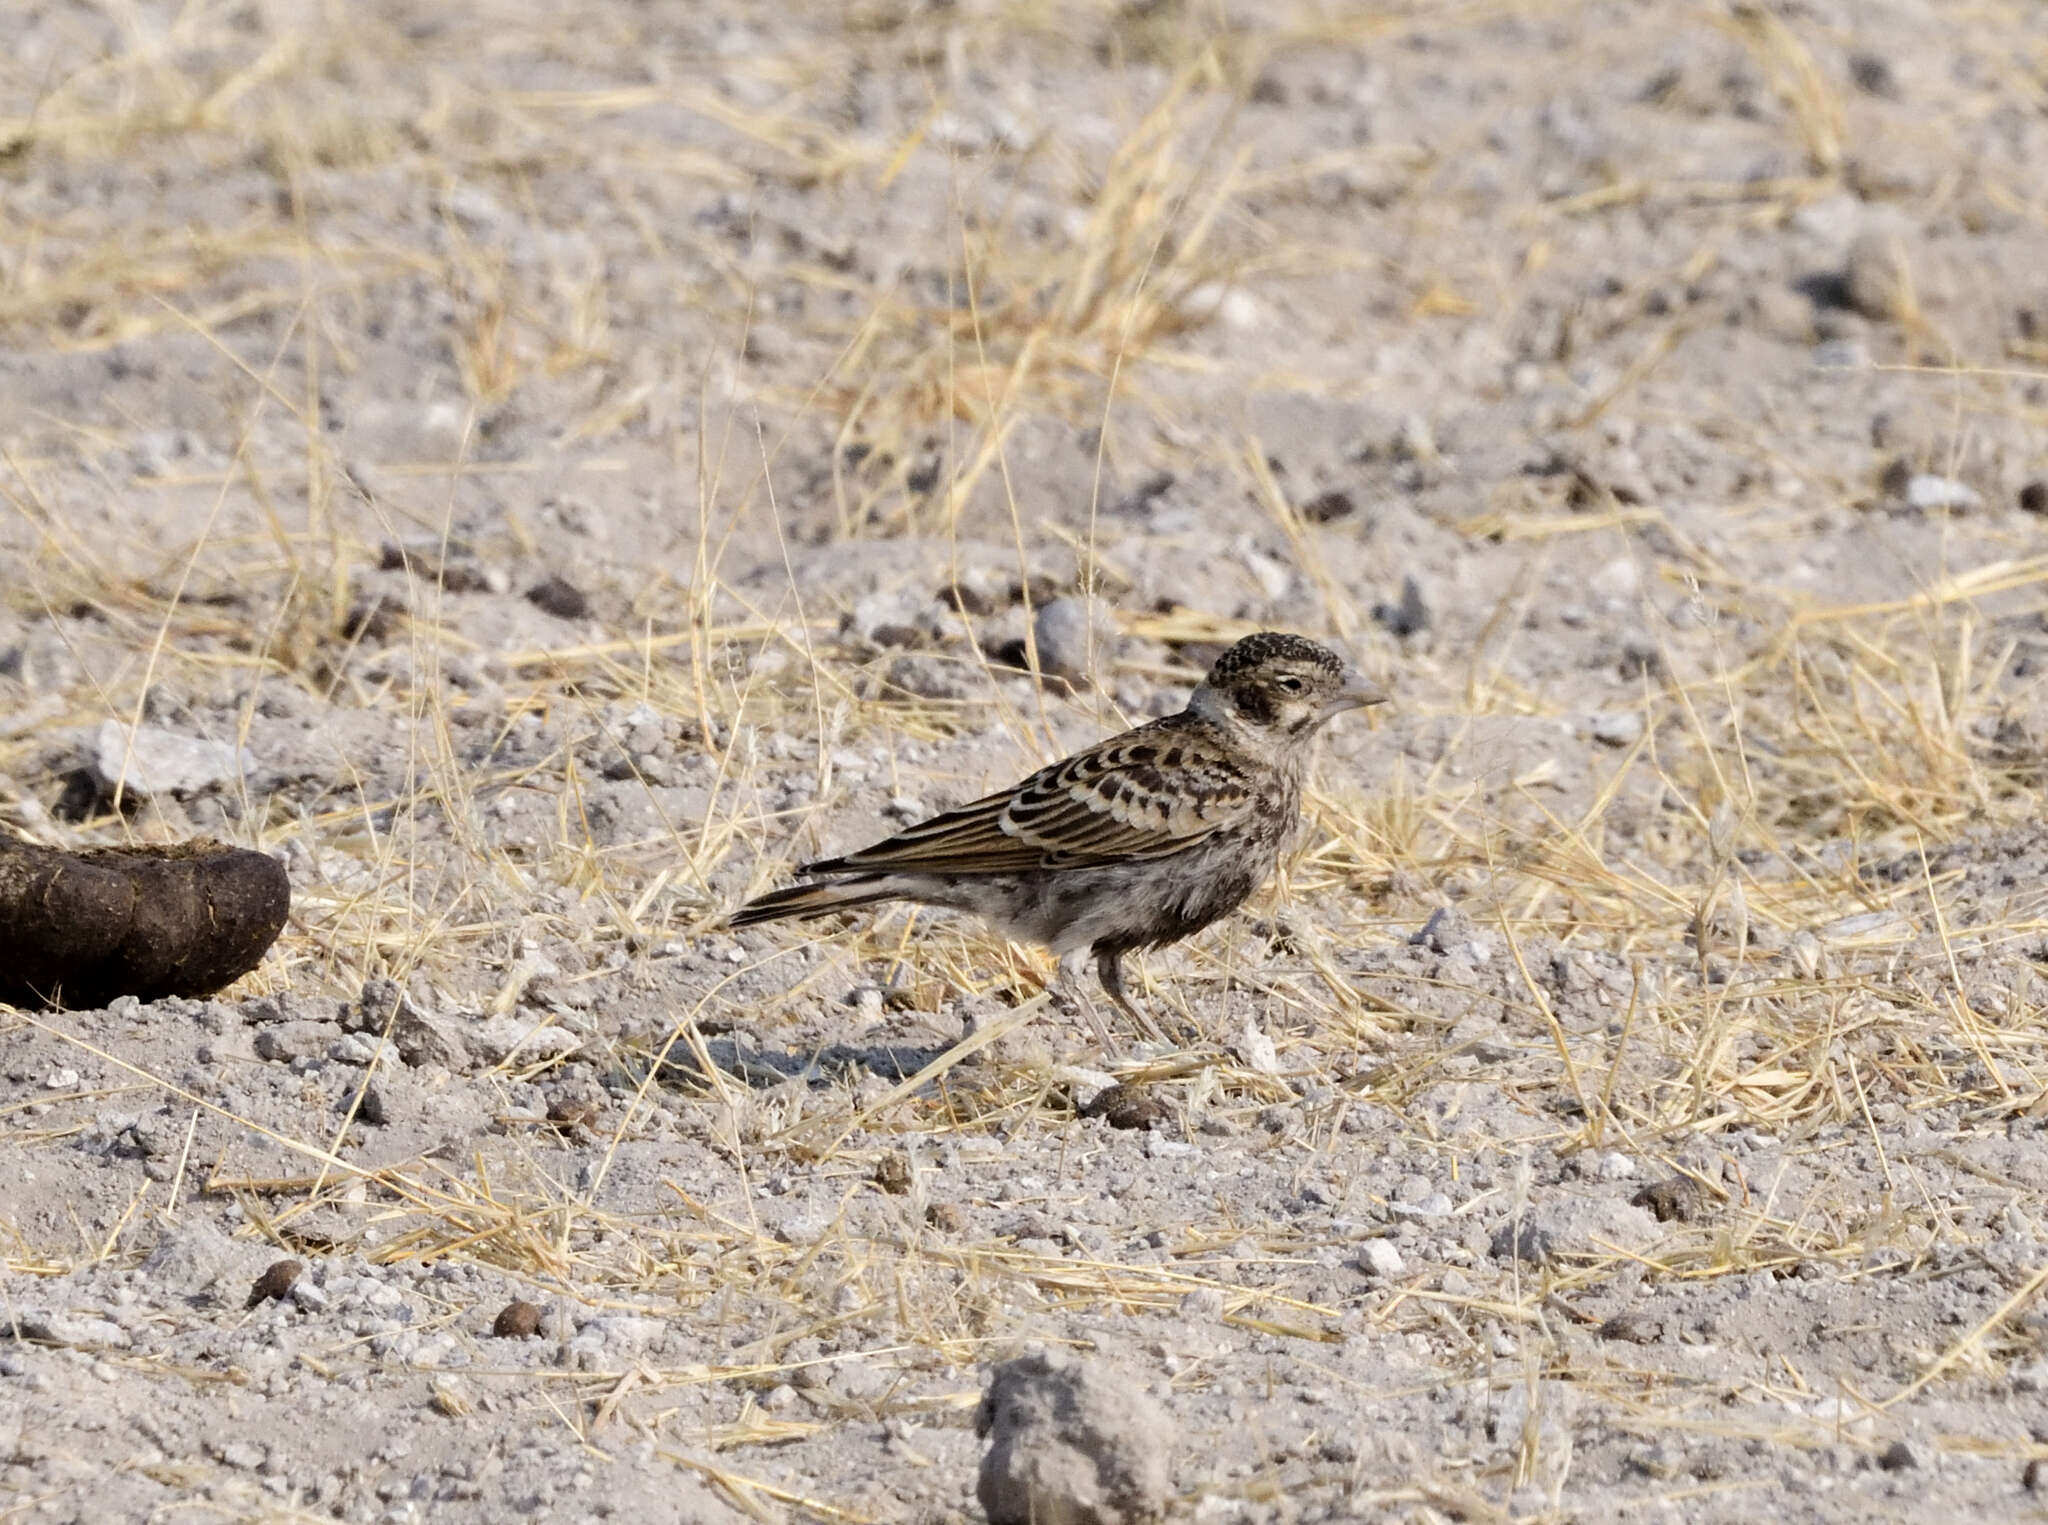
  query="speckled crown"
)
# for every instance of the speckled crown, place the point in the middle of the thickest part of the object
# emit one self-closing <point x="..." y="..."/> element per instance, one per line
<point x="1255" y="651"/>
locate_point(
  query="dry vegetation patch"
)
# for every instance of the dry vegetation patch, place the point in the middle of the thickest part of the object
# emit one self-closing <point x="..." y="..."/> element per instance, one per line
<point x="587" y="463"/>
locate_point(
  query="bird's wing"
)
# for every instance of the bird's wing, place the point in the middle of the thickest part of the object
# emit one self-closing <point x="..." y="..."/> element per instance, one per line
<point x="1144" y="794"/>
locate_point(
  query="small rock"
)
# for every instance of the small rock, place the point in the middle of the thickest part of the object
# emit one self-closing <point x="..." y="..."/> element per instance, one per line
<point x="861" y="1381"/>
<point x="373" y="1109"/>
<point x="1448" y="930"/>
<point x="1932" y="494"/>
<point x="1613" y="1166"/>
<point x="1618" y="728"/>
<point x="560" y="597"/>
<point x="1408" y="617"/>
<point x="2034" y="497"/>
<point x="1256" y="1049"/>
<point x="933" y="677"/>
<point x="1636" y="1328"/>
<point x="1877" y="280"/>
<point x="625" y="1333"/>
<point x="892" y="1174"/>
<point x="893" y="617"/>
<point x="372" y="620"/>
<point x="1327" y="507"/>
<point x="419" y="1038"/>
<point x="566" y="1114"/>
<point x="74" y="1331"/>
<point x="150" y="761"/>
<point x="945" y="1217"/>
<point x="309" y="1296"/>
<point x="1874" y="76"/>
<point x="243" y="1454"/>
<point x="1125" y="1106"/>
<point x="1076" y="636"/>
<point x="516" y="1321"/>
<point x="1898" y="1457"/>
<point x="1619" y="580"/>
<point x="1073" y="1442"/>
<point x="1675" y="1199"/>
<point x="276" y="1282"/>
<point x="977" y="592"/>
<point x="1657" y="1462"/>
<point x="1378" y="1257"/>
<point x="286" y="1041"/>
<point x="1150" y="488"/>
<point x="1524" y="1241"/>
<point x="1782" y="313"/>
<point x="498" y="1039"/>
<point x="1842" y="355"/>
<point x="1640" y="659"/>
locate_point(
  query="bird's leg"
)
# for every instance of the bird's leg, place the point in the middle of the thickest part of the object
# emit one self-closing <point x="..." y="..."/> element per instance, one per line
<point x="1076" y="994"/>
<point x="1109" y="969"/>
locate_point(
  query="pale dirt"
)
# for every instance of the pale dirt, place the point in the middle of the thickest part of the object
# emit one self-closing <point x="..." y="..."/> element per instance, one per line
<point x="1691" y="363"/>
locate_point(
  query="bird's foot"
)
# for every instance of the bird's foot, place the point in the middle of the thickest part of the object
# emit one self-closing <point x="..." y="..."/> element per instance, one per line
<point x="1070" y="994"/>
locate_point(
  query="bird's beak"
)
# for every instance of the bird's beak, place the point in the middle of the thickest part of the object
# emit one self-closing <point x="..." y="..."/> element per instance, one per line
<point x="1357" y="692"/>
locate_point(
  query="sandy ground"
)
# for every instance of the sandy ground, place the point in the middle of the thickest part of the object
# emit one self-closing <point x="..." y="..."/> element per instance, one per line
<point x="579" y="465"/>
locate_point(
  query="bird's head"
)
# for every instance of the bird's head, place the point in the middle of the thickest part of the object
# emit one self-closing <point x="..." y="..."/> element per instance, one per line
<point x="1274" y="688"/>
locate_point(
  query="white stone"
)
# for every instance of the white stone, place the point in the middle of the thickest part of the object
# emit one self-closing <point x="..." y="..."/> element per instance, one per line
<point x="502" y="1037"/>
<point x="1378" y="1257"/>
<point x="1618" y="728"/>
<point x="1256" y="1049"/>
<point x="151" y="761"/>
<point x="1931" y="493"/>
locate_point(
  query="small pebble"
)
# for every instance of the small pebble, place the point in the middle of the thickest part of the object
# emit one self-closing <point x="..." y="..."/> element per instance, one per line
<point x="1933" y="494"/>
<point x="452" y="1397"/>
<point x="1378" y="1257"/>
<point x="1325" y="507"/>
<point x="1876" y="279"/>
<point x="892" y="1174"/>
<point x="944" y="1217"/>
<point x="309" y="1296"/>
<point x="2034" y="497"/>
<point x="1873" y="76"/>
<point x="1618" y="728"/>
<point x="1633" y="1327"/>
<point x="558" y="596"/>
<point x="276" y="1282"/>
<point x="1523" y="1241"/>
<point x="1408" y="617"/>
<point x="1126" y="1106"/>
<point x="1076" y="636"/>
<point x="1675" y="1199"/>
<point x="565" y="1114"/>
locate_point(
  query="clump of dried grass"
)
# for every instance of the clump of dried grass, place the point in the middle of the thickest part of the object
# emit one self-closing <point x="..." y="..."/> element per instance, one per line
<point x="1702" y="857"/>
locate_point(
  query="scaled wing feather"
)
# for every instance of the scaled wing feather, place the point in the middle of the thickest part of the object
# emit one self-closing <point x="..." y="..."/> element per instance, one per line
<point x="1112" y="802"/>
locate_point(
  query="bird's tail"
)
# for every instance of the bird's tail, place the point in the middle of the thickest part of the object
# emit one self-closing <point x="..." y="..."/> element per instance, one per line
<point x="813" y="900"/>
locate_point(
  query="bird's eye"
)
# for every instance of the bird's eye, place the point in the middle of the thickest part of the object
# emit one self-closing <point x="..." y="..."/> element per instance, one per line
<point x="1287" y="683"/>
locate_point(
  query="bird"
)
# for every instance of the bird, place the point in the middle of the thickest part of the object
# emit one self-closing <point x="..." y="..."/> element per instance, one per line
<point x="1135" y="842"/>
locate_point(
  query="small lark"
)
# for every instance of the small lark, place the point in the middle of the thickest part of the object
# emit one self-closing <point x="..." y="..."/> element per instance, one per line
<point x="1138" y="841"/>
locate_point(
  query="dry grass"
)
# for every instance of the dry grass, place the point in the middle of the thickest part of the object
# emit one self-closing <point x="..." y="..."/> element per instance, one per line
<point x="1728" y="855"/>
